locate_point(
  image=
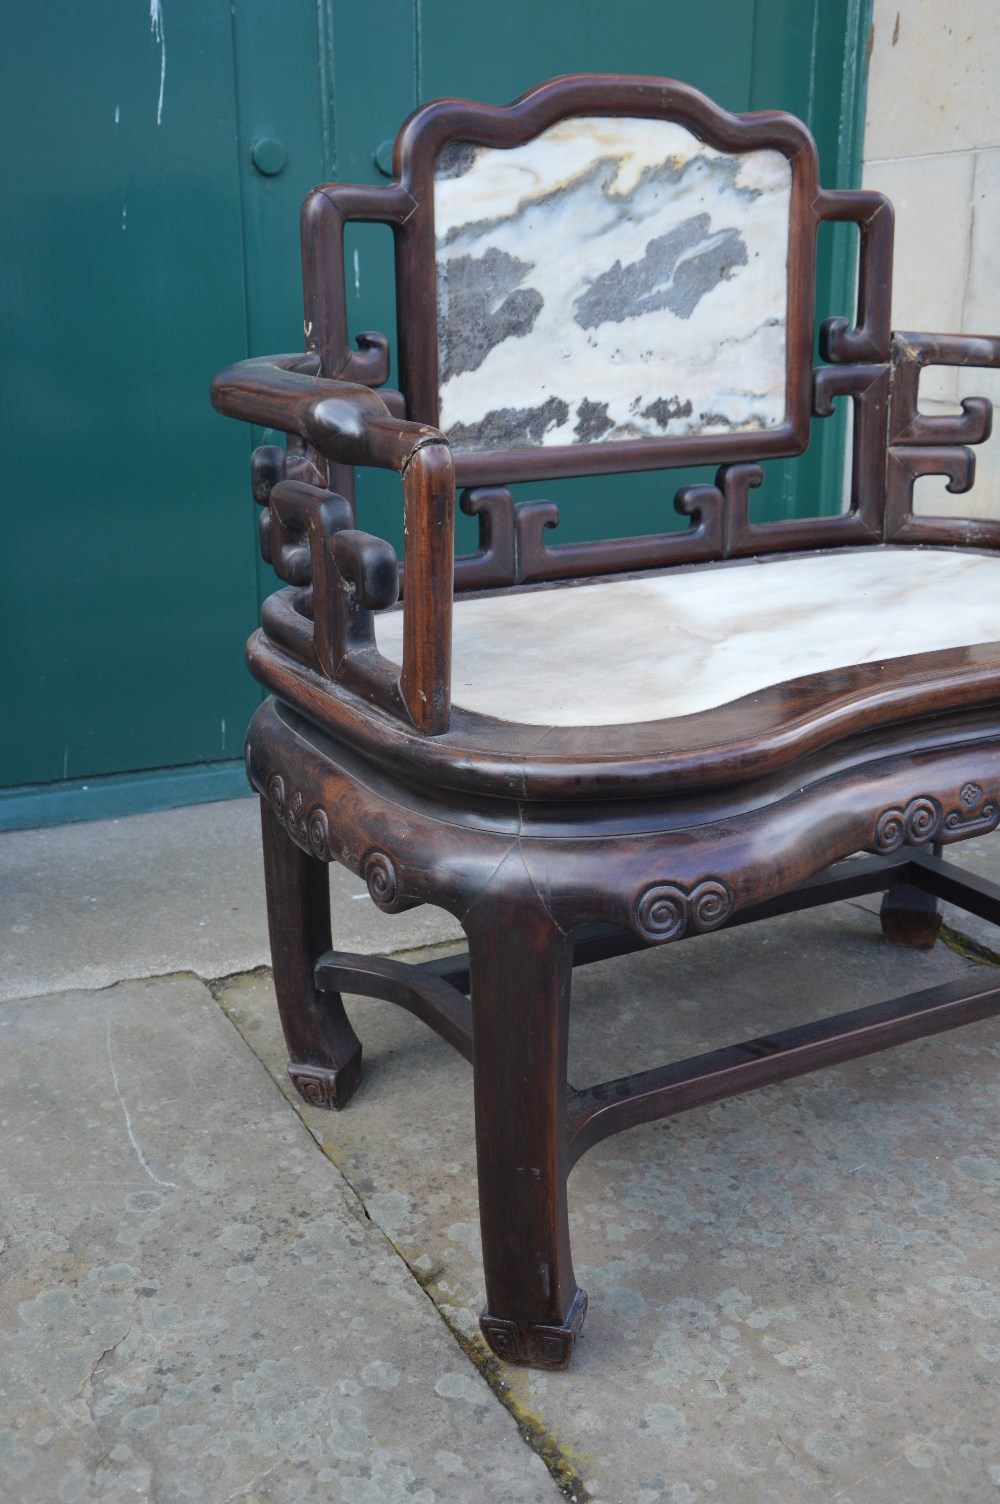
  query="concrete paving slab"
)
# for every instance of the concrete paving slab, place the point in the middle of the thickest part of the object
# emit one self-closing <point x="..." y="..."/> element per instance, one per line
<point x="87" y="905"/>
<point x="794" y="1294"/>
<point x="192" y="1305"/>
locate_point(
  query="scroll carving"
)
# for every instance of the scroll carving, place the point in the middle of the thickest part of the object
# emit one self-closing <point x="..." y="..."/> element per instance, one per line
<point x="959" y="824"/>
<point x="662" y="912"/>
<point x="666" y="911"/>
<point x="915" y="825"/>
<point x="318" y="829"/>
<point x="380" y="875"/>
<point x="923" y="820"/>
<point x="313" y="1084"/>
<point x="310" y="829"/>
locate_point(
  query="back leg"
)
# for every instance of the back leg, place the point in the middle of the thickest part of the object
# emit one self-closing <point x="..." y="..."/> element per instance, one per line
<point x="909" y="916"/>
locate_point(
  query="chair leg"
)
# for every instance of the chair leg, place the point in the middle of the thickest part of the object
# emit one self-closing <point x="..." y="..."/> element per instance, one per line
<point x="521" y="969"/>
<point x="324" y="1051"/>
<point x="909" y="916"/>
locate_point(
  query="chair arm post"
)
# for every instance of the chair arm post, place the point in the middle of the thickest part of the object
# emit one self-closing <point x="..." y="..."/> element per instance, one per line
<point x="429" y="529"/>
<point x="352" y="426"/>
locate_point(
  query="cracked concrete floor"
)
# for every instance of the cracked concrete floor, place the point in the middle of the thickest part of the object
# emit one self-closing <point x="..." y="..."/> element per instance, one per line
<point x="793" y="1294"/>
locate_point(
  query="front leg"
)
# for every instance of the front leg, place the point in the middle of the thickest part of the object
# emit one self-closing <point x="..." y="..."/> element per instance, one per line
<point x="324" y="1051"/>
<point x="521" y="968"/>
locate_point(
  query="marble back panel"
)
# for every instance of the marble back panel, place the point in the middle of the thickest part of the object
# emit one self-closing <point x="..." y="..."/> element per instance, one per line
<point x="613" y="278"/>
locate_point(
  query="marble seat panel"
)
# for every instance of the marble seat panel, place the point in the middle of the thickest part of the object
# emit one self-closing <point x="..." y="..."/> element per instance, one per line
<point x="611" y="279"/>
<point x="628" y="650"/>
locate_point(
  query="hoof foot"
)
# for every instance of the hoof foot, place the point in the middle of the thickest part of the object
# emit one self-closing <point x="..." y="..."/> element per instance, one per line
<point x="538" y="1346"/>
<point x="325" y="1088"/>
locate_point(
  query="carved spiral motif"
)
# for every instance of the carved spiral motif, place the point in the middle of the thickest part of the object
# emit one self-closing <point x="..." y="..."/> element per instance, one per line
<point x="662" y="912"/>
<point x="380" y="875"/>
<point x="915" y="825"/>
<point x="503" y="1338"/>
<point x="890" y="830"/>
<point x="923" y="816"/>
<point x="710" y="904"/>
<point x="318" y="831"/>
<point x="311" y="1086"/>
<point x="276" y="794"/>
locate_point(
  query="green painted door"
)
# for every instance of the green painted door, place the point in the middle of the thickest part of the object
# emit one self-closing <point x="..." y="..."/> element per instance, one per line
<point x="142" y="249"/>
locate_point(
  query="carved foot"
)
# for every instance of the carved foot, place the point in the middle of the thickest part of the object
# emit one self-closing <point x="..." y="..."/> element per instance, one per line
<point x="325" y="1088"/>
<point x="909" y="917"/>
<point x="537" y="1346"/>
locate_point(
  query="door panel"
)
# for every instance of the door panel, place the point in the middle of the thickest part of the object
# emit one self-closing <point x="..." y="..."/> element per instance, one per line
<point x="129" y="581"/>
<point x="142" y="250"/>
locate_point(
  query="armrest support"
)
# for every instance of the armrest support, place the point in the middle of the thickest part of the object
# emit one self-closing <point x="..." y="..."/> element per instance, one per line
<point x="920" y="444"/>
<point x="350" y="425"/>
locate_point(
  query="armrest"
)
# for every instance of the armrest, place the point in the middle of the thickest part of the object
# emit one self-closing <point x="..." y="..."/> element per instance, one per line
<point x="348" y="423"/>
<point x="352" y="426"/>
<point x="923" y="444"/>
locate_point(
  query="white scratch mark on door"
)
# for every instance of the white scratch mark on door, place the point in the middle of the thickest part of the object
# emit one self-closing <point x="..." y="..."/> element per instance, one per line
<point x="168" y="1184"/>
<point x="156" y="27"/>
<point x="118" y="115"/>
<point x="124" y="215"/>
<point x="223" y="733"/>
<point x="357" y="273"/>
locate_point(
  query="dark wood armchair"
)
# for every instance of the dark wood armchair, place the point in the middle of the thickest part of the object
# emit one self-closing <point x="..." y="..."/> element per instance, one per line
<point x="584" y="748"/>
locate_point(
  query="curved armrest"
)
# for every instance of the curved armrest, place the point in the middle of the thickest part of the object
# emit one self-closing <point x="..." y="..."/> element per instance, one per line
<point x="345" y="422"/>
<point x="352" y="426"/>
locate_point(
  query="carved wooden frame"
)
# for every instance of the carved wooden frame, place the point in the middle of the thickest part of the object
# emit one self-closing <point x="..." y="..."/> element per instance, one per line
<point x="526" y="891"/>
<point x="530" y="834"/>
<point x="407" y="205"/>
<point x="923" y="445"/>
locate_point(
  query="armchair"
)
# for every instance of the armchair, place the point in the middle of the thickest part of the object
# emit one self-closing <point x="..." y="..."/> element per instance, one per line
<point x="579" y="749"/>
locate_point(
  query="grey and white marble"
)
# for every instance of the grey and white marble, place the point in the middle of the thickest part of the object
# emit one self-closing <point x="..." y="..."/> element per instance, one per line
<point x="611" y="653"/>
<point x="610" y="279"/>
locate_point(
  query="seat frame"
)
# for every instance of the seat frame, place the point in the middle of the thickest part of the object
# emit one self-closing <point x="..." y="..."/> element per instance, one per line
<point x="554" y="847"/>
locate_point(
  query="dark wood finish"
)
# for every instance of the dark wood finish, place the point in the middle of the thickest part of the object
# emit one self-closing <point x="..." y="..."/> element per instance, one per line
<point x="975" y="894"/>
<point x="593" y="942"/>
<point x="521" y="964"/>
<point x="599" y="1111"/>
<point x="873" y="215"/>
<point x="909" y="916"/>
<point x="923" y="445"/>
<point x="558" y="846"/>
<point x="350" y="425"/>
<point x="324" y="1051"/>
<point x="428" y="997"/>
<point x="746" y="739"/>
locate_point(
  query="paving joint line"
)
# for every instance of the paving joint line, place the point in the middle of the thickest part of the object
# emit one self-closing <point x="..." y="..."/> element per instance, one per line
<point x="531" y="1430"/>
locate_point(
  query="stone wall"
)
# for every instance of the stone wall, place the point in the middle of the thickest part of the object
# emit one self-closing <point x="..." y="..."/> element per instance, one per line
<point x="932" y="143"/>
